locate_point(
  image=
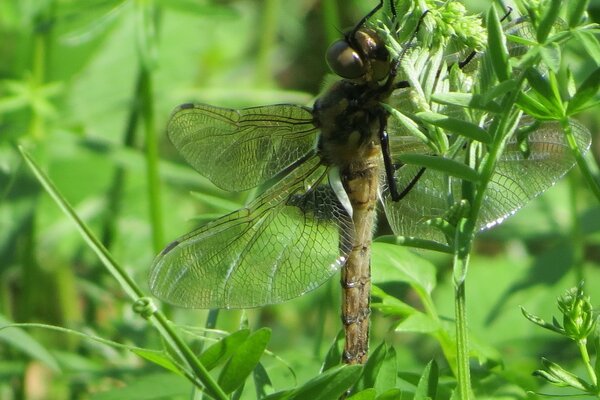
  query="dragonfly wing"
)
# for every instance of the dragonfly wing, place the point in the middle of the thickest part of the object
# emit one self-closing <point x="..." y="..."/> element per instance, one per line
<point x="517" y="180"/>
<point x="288" y="241"/>
<point x="240" y="149"/>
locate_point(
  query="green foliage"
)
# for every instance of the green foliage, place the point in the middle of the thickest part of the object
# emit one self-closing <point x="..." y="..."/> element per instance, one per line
<point x="87" y="86"/>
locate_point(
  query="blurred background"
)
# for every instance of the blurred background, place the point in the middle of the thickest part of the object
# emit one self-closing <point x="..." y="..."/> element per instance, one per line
<point x="88" y="86"/>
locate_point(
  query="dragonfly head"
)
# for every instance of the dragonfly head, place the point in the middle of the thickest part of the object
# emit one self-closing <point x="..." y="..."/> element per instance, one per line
<point x="360" y="55"/>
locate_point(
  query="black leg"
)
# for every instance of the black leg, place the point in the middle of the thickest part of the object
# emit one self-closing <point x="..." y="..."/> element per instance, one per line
<point x="366" y="18"/>
<point x="387" y="158"/>
<point x="411" y="185"/>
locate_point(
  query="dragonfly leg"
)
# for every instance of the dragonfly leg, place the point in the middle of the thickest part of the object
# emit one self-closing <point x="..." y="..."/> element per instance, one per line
<point x="365" y="19"/>
<point x="384" y="141"/>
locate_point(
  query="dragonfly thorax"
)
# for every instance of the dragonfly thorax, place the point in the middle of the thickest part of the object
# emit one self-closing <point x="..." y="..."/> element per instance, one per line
<point x="348" y="115"/>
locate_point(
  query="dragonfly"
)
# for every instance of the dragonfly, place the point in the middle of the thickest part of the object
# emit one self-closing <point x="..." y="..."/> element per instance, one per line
<point x="329" y="165"/>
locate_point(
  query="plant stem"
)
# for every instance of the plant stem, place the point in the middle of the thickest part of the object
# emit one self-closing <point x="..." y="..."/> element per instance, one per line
<point x="154" y="196"/>
<point x="581" y="344"/>
<point x="157" y="318"/>
<point x="462" y="351"/>
<point x="580" y="160"/>
<point x="264" y="69"/>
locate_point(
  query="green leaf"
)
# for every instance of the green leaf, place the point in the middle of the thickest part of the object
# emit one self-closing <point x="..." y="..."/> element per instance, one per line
<point x="586" y="92"/>
<point x="415" y="242"/>
<point x="390" y="305"/>
<point x="223" y="349"/>
<point x="388" y="373"/>
<point x="445" y="165"/>
<point x="261" y="381"/>
<point x="410" y="125"/>
<point x="551" y="55"/>
<point x="541" y="323"/>
<point x="548" y="19"/>
<point x="590" y="44"/>
<point x="22" y="341"/>
<point x="531" y="106"/>
<point x="392" y="394"/>
<point x="333" y="357"/>
<point x="158" y="358"/>
<point x="497" y="46"/>
<point x="243" y="361"/>
<point x="330" y="384"/>
<point x="154" y="386"/>
<point x="418" y="323"/>
<point x="367" y="394"/>
<point x="427" y="387"/>
<point x="460" y="127"/>
<point x="563" y="376"/>
<point x="499" y="90"/>
<point x="467" y="100"/>
<point x="543" y="89"/>
<point x="575" y="10"/>
<point x="372" y="367"/>
<point x="395" y="263"/>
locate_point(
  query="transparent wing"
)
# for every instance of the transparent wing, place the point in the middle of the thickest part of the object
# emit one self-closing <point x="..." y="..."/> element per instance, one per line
<point x="516" y="181"/>
<point x="240" y="149"/>
<point x="288" y="241"/>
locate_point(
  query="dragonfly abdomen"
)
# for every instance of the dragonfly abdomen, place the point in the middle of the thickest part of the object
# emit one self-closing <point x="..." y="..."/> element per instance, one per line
<point x="360" y="180"/>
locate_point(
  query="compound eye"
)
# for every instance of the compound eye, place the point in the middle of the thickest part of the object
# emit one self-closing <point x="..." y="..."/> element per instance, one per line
<point x="345" y="61"/>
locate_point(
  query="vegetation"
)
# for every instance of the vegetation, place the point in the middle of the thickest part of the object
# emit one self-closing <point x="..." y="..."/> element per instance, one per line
<point x="86" y="88"/>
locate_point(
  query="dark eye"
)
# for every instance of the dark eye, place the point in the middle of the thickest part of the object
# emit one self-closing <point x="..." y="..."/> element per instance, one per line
<point x="345" y="61"/>
<point x="373" y="48"/>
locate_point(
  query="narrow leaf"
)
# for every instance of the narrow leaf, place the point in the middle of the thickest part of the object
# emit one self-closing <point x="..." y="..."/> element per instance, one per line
<point x="427" y="387"/>
<point x="467" y="100"/>
<point x="541" y="86"/>
<point x="587" y="90"/>
<point x="330" y="384"/>
<point x="22" y="341"/>
<point x="367" y="394"/>
<point x="158" y="358"/>
<point x="392" y="394"/>
<point x="575" y="11"/>
<point x="446" y="165"/>
<point x="388" y="373"/>
<point x="497" y="46"/>
<point x="590" y="43"/>
<point x="415" y="242"/>
<point x="533" y="107"/>
<point x="153" y="386"/>
<point x="372" y="367"/>
<point x="551" y="54"/>
<point x="223" y="349"/>
<point x="565" y="376"/>
<point x="333" y="357"/>
<point x="410" y="125"/>
<point x="460" y="127"/>
<point x="418" y="323"/>
<point x="243" y="361"/>
<point x="262" y="381"/>
<point x="548" y="18"/>
<point x="398" y="264"/>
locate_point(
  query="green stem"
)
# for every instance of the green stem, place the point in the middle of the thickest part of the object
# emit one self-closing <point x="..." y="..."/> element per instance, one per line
<point x="462" y="341"/>
<point x="154" y="195"/>
<point x="331" y="20"/>
<point x="264" y="73"/>
<point x="466" y="234"/>
<point x="580" y="160"/>
<point x="581" y="344"/>
<point x="156" y="318"/>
